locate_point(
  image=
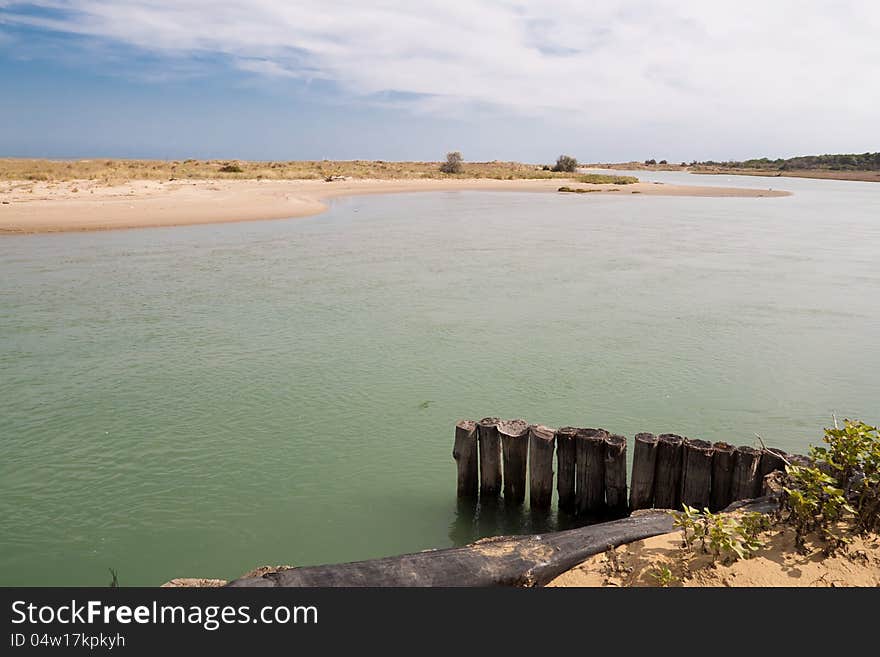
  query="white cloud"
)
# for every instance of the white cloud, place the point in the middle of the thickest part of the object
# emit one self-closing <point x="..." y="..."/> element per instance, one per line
<point x="711" y="64"/>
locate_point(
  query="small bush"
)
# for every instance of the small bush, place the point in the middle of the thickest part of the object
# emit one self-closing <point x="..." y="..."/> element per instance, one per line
<point x="726" y="536"/>
<point x="231" y="168"/>
<point x="843" y="479"/>
<point x="565" y="163"/>
<point x="452" y="163"/>
<point x="662" y="575"/>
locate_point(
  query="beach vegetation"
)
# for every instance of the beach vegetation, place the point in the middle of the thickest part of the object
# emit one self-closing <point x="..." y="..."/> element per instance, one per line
<point x="566" y="164"/>
<point x="662" y="575"/>
<point x="724" y="536"/>
<point x="604" y="179"/>
<point x="841" y="482"/>
<point x="115" y="172"/>
<point x="453" y="163"/>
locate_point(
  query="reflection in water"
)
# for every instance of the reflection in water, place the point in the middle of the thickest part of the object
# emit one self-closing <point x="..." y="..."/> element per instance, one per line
<point x="492" y="517"/>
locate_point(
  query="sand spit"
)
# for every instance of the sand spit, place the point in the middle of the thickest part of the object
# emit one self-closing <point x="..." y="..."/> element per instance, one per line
<point x="79" y="205"/>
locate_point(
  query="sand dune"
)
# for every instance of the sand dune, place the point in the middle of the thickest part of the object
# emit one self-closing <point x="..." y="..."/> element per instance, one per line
<point x="39" y="207"/>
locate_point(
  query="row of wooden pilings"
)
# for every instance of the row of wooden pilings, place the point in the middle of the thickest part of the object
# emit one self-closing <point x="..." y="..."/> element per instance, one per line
<point x="494" y="456"/>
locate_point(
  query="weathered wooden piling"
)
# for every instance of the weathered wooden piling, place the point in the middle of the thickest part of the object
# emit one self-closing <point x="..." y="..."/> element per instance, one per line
<point x="494" y="455"/>
<point x="721" y="494"/>
<point x="696" y="473"/>
<point x="667" y="475"/>
<point x="590" y="474"/>
<point x="566" y="468"/>
<point x="464" y="451"/>
<point x="541" y="443"/>
<point x="514" y="436"/>
<point x="615" y="475"/>
<point x="746" y="482"/>
<point x="490" y="457"/>
<point x="772" y="459"/>
<point x="641" y="490"/>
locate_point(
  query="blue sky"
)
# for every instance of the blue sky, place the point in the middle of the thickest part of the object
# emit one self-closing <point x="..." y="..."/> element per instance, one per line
<point x="502" y="79"/>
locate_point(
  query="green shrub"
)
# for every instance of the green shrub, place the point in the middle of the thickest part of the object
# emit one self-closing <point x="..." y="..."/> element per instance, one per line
<point x="843" y="478"/>
<point x="723" y="535"/>
<point x="231" y="168"/>
<point x="603" y="179"/>
<point x="662" y="575"/>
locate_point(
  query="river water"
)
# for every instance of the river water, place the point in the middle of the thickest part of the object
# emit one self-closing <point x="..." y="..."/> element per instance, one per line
<point x="197" y="401"/>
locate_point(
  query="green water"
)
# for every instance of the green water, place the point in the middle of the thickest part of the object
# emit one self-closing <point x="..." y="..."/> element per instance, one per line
<point x="198" y="401"/>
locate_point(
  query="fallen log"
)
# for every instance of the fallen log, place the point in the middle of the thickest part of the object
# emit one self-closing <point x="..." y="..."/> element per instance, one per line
<point x="500" y="561"/>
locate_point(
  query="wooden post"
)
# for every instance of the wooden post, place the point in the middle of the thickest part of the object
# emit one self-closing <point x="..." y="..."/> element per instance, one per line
<point x="696" y="473"/>
<point x="772" y="459"/>
<point x="565" y="468"/>
<point x="514" y="436"/>
<point x="746" y="482"/>
<point x="490" y="457"/>
<point x="590" y="489"/>
<point x="721" y="494"/>
<point x="464" y="451"/>
<point x="541" y="441"/>
<point x="641" y="490"/>
<point x="615" y="475"/>
<point x="667" y="475"/>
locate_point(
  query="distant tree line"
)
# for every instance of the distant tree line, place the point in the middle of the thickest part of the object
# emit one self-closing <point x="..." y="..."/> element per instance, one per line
<point x="838" y="162"/>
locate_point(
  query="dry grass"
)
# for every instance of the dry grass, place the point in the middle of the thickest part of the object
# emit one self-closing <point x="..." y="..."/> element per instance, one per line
<point x="118" y="171"/>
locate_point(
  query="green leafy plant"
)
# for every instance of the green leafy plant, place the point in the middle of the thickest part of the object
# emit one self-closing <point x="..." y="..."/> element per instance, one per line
<point x="842" y="480"/>
<point x="662" y="575"/>
<point x="724" y="536"/>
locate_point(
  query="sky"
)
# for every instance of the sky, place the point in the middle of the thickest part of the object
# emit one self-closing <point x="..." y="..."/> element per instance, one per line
<point x="496" y="79"/>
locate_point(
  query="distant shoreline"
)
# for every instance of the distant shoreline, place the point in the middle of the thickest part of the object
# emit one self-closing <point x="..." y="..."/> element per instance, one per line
<point x="819" y="174"/>
<point x="28" y="207"/>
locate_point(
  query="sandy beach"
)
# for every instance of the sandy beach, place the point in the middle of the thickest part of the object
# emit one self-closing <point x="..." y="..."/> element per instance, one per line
<point x="779" y="563"/>
<point x="80" y="205"/>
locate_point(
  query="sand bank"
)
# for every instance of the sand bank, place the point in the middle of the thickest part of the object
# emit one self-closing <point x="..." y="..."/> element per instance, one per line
<point x="778" y="564"/>
<point x="40" y="207"/>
